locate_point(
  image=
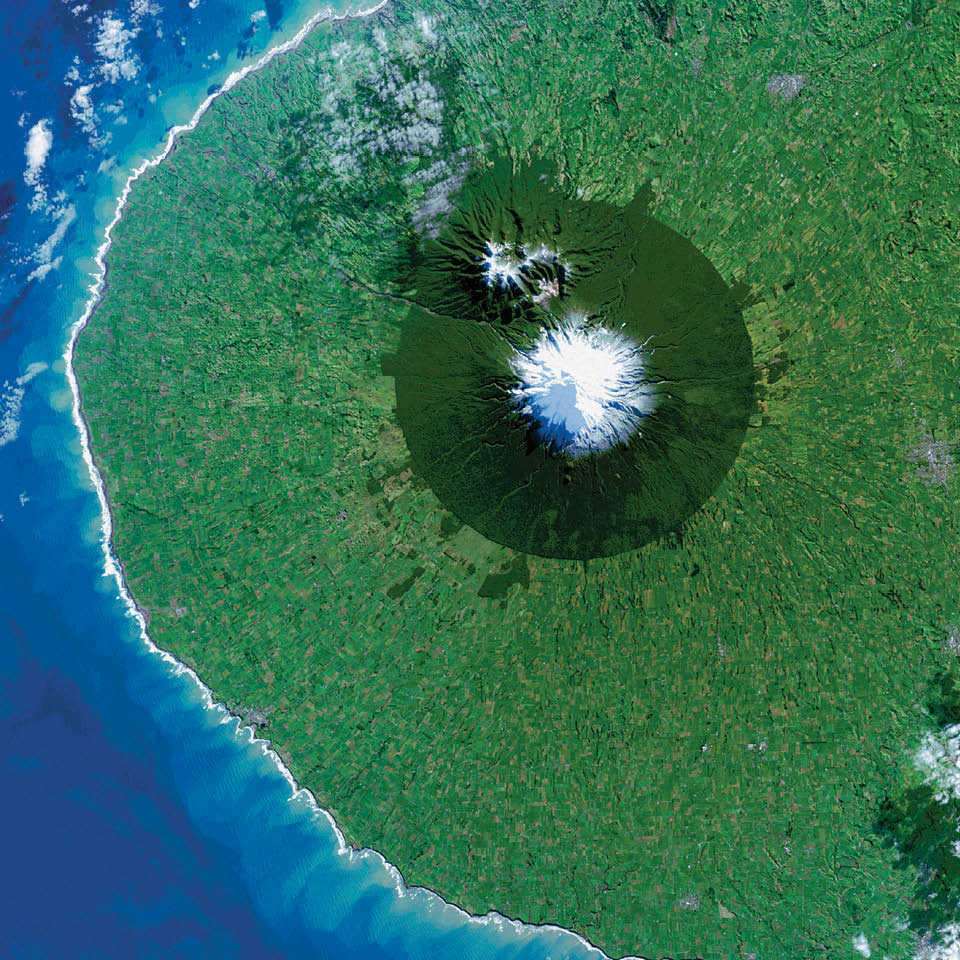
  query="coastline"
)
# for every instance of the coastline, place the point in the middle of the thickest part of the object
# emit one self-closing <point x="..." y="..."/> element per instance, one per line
<point x="113" y="567"/>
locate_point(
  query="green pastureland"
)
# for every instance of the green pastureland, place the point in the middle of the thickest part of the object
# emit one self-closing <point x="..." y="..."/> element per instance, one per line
<point x="681" y="750"/>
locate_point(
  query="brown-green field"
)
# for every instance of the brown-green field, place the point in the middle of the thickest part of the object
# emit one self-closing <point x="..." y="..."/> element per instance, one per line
<point x="683" y="750"/>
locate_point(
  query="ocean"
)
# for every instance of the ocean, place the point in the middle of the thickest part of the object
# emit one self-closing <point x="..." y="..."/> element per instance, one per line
<point x="137" y="820"/>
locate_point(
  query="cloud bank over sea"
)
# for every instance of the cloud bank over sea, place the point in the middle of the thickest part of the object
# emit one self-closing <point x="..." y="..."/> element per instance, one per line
<point x="11" y="402"/>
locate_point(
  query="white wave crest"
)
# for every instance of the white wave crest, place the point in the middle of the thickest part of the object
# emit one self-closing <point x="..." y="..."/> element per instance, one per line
<point x="113" y="569"/>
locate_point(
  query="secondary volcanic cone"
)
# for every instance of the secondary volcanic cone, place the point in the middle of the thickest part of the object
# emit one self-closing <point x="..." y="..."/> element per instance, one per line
<point x="576" y="378"/>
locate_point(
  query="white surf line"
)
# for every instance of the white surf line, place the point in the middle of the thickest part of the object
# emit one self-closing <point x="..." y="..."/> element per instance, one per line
<point x="113" y="568"/>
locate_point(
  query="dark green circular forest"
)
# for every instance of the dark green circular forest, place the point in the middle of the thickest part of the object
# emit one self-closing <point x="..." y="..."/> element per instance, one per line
<point x="454" y="379"/>
<point x="679" y="690"/>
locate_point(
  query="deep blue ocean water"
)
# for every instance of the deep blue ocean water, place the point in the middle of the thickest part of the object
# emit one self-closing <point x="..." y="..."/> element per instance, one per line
<point x="134" y="821"/>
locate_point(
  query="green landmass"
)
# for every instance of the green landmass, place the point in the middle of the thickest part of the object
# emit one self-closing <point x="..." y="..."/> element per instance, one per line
<point x="620" y="270"/>
<point x="695" y="748"/>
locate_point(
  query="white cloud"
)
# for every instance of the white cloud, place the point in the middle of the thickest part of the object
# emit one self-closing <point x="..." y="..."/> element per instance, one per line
<point x="408" y="119"/>
<point x="944" y="945"/>
<point x="861" y="945"/>
<point x="193" y="4"/>
<point x="44" y="253"/>
<point x="257" y="16"/>
<point x="144" y="8"/>
<point x="11" y="401"/>
<point x="938" y="759"/>
<point x="117" y="61"/>
<point x="38" y="273"/>
<point x="427" y="27"/>
<point x="81" y="109"/>
<point x="65" y="217"/>
<point x="39" y="142"/>
<point x="439" y="182"/>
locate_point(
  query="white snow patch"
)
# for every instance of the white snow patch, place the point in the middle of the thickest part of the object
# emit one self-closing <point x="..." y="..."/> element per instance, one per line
<point x="503" y="265"/>
<point x="582" y="385"/>
<point x="11" y="401"/>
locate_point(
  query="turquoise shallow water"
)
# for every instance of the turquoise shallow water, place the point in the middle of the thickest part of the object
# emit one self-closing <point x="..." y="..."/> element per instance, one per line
<point x="137" y="820"/>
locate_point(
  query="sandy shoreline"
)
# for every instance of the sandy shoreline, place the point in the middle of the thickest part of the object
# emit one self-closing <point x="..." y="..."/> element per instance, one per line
<point x="112" y="566"/>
